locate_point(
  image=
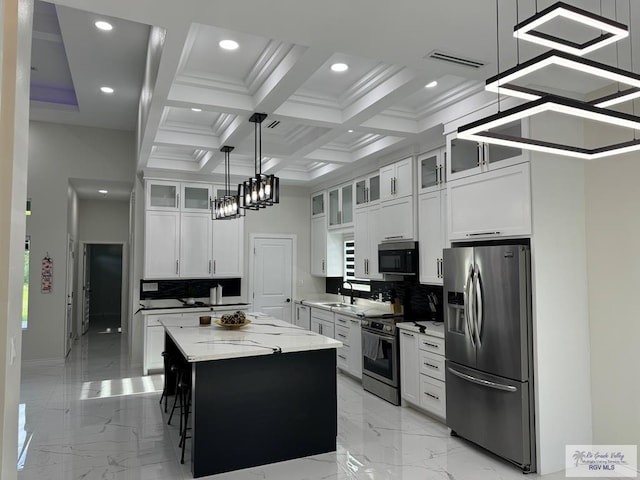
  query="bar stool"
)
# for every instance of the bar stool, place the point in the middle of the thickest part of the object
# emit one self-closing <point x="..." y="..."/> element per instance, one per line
<point x="166" y="357"/>
<point x="179" y="372"/>
<point x="185" y="393"/>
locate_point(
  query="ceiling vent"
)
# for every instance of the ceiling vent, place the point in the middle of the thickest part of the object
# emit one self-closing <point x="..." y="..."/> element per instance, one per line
<point x="457" y="59"/>
<point x="274" y="124"/>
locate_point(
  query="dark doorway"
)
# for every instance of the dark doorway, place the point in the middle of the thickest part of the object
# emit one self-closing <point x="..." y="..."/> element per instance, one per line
<point x="104" y="299"/>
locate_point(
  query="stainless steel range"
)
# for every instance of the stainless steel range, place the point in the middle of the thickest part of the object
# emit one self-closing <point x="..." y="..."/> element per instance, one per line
<point x="381" y="357"/>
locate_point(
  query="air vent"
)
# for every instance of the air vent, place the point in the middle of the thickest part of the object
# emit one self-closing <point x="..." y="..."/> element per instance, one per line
<point x="457" y="59"/>
<point x="274" y="124"/>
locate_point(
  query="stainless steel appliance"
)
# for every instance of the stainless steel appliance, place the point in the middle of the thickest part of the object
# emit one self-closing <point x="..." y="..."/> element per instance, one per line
<point x="489" y="366"/>
<point x="381" y="357"/>
<point x="400" y="258"/>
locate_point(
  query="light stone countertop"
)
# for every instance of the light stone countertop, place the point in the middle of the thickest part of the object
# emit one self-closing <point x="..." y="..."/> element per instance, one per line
<point x="263" y="336"/>
<point x="435" y="329"/>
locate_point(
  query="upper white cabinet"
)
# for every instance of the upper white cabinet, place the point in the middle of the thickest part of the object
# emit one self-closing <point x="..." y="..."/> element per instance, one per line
<point x="367" y="190"/>
<point x="492" y="205"/>
<point x="465" y="158"/>
<point x="318" y="201"/>
<point x="195" y="245"/>
<point x="162" y="195"/>
<point x="341" y="206"/>
<point x="432" y="171"/>
<point x="195" y="197"/>
<point x="326" y="250"/>
<point x="432" y="221"/>
<point x="366" y="239"/>
<point x="162" y="244"/>
<point x="396" y="180"/>
<point x="227" y="240"/>
<point x="396" y="220"/>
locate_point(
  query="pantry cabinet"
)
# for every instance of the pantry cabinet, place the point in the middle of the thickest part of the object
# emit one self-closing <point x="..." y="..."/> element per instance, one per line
<point x="432" y="228"/>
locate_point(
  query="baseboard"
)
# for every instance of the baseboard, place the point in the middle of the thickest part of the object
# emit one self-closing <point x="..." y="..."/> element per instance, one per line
<point x="53" y="362"/>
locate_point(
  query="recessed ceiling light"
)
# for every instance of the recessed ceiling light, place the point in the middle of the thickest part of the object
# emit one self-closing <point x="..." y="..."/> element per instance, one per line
<point x="196" y="109"/>
<point x="431" y="84"/>
<point x="339" y="67"/>
<point x="103" y="192"/>
<point x="228" y="44"/>
<point x="102" y="25"/>
<point x="106" y="90"/>
<point x="350" y="130"/>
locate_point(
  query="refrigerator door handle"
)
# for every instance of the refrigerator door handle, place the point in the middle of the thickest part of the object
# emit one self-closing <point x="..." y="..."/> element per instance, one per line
<point x="468" y="304"/>
<point x="477" y="294"/>
<point x="484" y="383"/>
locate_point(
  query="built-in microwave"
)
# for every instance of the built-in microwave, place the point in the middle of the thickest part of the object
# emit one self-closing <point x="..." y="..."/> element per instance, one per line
<point x="400" y="258"/>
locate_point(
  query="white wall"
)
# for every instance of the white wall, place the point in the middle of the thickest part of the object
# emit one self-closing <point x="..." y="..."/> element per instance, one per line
<point x="15" y="48"/>
<point x="561" y="321"/>
<point x="613" y="236"/>
<point x="56" y="153"/>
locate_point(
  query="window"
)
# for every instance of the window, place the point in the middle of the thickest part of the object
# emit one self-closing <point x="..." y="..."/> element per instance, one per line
<point x="25" y="284"/>
<point x="349" y="256"/>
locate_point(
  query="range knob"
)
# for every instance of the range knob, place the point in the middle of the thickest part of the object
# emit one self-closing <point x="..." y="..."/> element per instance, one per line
<point x="388" y="328"/>
<point x="365" y="323"/>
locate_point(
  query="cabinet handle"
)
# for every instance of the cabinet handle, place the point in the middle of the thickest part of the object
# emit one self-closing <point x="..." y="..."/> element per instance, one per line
<point x="408" y="334"/>
<point x="342" y="320"/>
<point x="433" y="345"/>
<point x="356" y="322"/>
<point x="392" y="237"/>
<point x="176" y="267"/>
<point x="479" y="153"/>
<point x="432" y="396"/>
<point x="483" y="233"/>
<point x="322" y="266"/>
<point x="366" y="194"/>
<point x="342" y="336"/>
<point x="485" y="154"/>
<point x="432" y="366"/>
<point x="209" y="266"/>
<point x="343" y="357"/>
<point x="214" y="267"/>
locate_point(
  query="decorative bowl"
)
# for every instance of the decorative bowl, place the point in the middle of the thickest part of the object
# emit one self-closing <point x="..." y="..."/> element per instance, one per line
<point x="232" y="326"/>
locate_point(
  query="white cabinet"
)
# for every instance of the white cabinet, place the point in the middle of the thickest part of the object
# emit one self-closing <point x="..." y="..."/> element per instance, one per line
<point x="322" y="322"/>
<point x="409" y="367"/>
<point x="162" y="244"/>
<point x="465" y="157"/>
<point x="491" y="205"/>
<point x="349" y="332"/>
<point x="341" y="206"/>
<point x="318" y="204"/>
<point x="195" y="245"/>
<point x="227" y="242"/>
<point x="162" y="195"/>
<point x="366" y="238"/>
<point x="432" y="171"/>
<point x="303" y="316"/>
<point x="367" y="190"/>
<point x="432" y="221"/>
<point x="396" y="220"/>
<point x="432" y="376"/>
<point x="396" y="180"/>
<point x="326" y="250"/>
<point x="195" y="197"/>
<point x="153" y="344"/>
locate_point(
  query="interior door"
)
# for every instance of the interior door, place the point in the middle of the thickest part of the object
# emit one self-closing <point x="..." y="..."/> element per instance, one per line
<point x="459" y="331"/>
<point x="86" y="288"/>
<point x="69" y="294"/>
<point x="272" y="277"/>
<point x="501" y="289"/>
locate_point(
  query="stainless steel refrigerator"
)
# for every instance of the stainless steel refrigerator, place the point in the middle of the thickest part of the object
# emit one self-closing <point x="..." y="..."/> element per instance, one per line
<point x="488" y="335"/>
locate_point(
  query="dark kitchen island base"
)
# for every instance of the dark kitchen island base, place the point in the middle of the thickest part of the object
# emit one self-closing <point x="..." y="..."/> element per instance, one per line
<point x="257" y="410"/>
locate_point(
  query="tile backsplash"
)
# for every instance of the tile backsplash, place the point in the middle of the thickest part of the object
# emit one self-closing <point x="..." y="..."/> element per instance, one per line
<point x="185" y="288"/>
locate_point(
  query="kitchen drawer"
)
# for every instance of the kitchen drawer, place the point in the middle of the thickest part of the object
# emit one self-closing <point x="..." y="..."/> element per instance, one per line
<point x="342" y="334"/>
<point x="432" y="365"/>
<point x="341" y="320"/>
<point x="321" y="314"/>
<point x="433" y="397"/>
<point x="153" y="320"/>
<point x="342" y="360"/>
<point x="432" y="344"/>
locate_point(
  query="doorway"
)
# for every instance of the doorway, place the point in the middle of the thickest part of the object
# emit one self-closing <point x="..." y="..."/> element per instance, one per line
<point x="102" y="288"/>
<point x="271" y="276"/>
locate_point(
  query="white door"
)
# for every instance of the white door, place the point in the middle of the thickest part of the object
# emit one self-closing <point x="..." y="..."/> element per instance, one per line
<point x="273" y="277"/>
<point x="69" y="292"/>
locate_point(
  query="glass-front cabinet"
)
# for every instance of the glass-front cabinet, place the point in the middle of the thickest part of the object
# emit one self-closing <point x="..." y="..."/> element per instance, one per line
<point x="341" y="206"/>
<point x="162" y="195"/>
<point x="367" y="190"/>
<point x="317" y="204"/>
<point x="196" y="197"/>
<point x="465" y="157"/>
<point x="432" y="171"/>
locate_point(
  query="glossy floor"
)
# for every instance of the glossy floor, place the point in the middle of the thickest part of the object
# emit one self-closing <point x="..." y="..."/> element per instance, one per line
<point x="97" y="418"/>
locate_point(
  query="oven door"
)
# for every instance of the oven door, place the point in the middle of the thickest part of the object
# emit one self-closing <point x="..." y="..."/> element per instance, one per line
<point x="382" y="365"/>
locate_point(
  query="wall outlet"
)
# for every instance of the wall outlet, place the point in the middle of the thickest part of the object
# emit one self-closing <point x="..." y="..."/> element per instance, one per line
<point x="300" y="282"/>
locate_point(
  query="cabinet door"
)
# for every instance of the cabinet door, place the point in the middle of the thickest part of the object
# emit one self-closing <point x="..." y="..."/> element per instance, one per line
<point x="162" y="195"/>
<point x="431" y="171"/>
<point x="317" y="204"/>
<point x="195" y="245"/>
<point x="355" y="348"/>
<point x="334" y="207"/>
<point x="196" y="198"/>
<point x="228" y="248"/>
<point x="396" y="219"/>
<point x="403" y="185"/>
<point x="492" y="205"/>
<point x="360" y="187"/>
<point x="346" y="205"/>
<point x="361" y="239"/>
<point x="387" y="175"/>
<point x="409" y="367"/>
<point x="153" y="348"/>
<point x="498" y="156"/>
<point x="433" y="396"/>
<point x="316" y="326"/>
<point x="318" y="246"/>
<point x="374" y="240"/>
<point x="431" y="237"/>
<point x="161" y="244"/>
<point x="373" y="194"/>
<point x="463" y="157"/>
<point x="303" y="317"/>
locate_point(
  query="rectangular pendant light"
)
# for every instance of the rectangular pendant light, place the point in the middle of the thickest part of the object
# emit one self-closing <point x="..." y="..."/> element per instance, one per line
<point x="502" y="83"/>
<point x="479" y="130"/>
<point x="609" y="31"/>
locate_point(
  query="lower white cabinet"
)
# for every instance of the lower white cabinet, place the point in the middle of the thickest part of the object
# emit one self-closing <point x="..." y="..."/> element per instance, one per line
<point x="395" y="220"/>
<point x="432" y="221"/>
<point x="303" y="316"/>
<point x="322" y="322"/>
<point x="490" y="205"/>
<point x="349" y="332"/>
<point x="422" y="376"/>
<point x="153" y="344"/>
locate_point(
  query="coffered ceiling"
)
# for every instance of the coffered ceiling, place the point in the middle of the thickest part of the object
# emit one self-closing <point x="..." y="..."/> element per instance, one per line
<point x="321" y="124"/>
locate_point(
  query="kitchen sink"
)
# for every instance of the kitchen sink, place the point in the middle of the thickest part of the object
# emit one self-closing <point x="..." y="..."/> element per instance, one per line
<point x="343" y="305"/>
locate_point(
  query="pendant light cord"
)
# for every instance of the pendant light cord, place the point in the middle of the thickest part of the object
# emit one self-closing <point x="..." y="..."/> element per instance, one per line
<point x="518" y="37"/>
<point x="498" y="52"/>
<point x="633" y="102"/>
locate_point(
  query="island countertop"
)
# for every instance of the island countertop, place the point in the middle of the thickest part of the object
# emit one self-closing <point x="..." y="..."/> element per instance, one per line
<point x="263" y="336"/>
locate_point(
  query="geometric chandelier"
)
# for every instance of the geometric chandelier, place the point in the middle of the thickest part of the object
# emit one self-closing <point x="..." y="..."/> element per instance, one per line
<point x="541" y="102"/>
<point x="226" y="207"/>
<point x="259" y="191"/>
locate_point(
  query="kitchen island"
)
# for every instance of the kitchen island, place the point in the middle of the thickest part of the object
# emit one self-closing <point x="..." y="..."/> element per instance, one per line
<point x="263" y="393"/>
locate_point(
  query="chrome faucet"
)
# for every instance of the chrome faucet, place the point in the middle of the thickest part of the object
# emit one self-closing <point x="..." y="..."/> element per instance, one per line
<point x="352" y="300"/>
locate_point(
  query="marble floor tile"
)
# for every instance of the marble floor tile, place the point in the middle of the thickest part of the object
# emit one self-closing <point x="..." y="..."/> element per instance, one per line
<point x="96" y="417"/>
